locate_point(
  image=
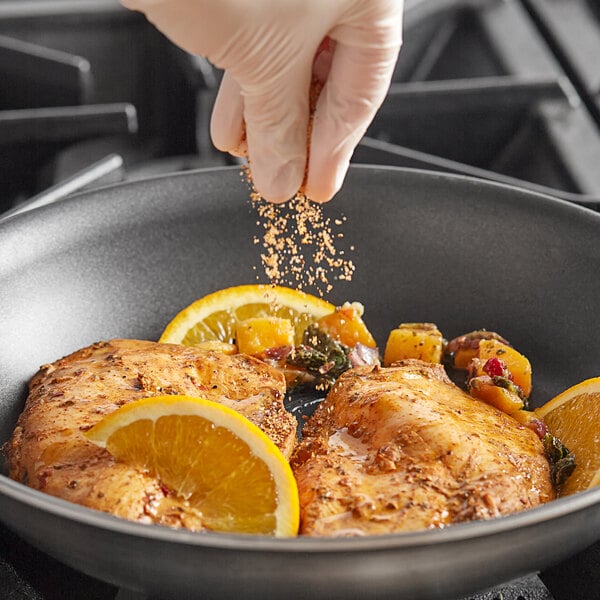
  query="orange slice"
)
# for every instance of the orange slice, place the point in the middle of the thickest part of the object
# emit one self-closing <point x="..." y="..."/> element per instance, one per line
<point x="221" y="464"/>
<point x="217" y="315"/>
<point x="574" y="418"/>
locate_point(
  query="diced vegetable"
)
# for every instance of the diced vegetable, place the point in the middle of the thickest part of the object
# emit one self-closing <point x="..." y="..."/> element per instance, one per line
<point x="486" y="389"/>
<point x="256" y="335"/>
<point x="414" y="340"/>
<point x="346" y="326"/>
<point x="463" y="356"/>
<point x="517" y="364"/>
<point x="460" y="350"/>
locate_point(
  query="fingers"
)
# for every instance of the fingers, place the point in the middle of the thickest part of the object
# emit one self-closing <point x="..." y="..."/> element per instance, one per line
<point x="277" y="120"/>
<point x="267" y="49"/>
<point x="356" y="86"/>
<point x="227" y="127"/>
<point x="228" y="130"/>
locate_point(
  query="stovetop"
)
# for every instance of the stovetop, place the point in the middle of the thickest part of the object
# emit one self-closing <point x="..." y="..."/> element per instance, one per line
<point x="497" y="90"/>
<point x="505" y="90"/>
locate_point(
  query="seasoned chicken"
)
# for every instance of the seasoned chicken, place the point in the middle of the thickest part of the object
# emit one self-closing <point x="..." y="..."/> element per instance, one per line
<point x="48" y="451"/>
<point x="402" y="448"/>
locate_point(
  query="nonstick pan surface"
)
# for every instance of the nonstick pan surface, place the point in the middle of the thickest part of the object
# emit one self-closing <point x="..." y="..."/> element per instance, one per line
<point x="465" y="254"/>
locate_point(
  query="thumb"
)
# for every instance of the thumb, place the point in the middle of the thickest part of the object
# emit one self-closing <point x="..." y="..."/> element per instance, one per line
<point x="355" y="89"/>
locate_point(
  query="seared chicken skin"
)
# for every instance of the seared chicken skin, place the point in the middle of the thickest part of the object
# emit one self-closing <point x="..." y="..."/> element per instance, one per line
<point x="402" y="448"/>
<point x="48" y="451"/>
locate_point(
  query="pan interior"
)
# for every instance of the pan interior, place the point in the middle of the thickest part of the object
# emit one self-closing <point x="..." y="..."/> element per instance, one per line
<point x="122" y="261"/>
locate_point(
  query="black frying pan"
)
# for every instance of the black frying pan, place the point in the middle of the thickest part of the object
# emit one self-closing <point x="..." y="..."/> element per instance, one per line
<point x="465" y="254"/>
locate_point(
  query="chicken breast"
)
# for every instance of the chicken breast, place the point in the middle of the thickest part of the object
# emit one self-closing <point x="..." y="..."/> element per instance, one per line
<point x="402" y="448"/>
<point x="48" y="451"/>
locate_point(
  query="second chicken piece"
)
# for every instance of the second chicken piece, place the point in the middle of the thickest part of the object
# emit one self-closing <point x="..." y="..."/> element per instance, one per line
<point x="403" y="448"/>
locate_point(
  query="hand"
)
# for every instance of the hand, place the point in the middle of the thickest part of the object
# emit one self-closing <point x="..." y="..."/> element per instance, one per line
<point x="268" y="49"/>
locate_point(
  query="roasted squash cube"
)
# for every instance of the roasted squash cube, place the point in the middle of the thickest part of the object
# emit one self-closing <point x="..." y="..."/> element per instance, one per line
<point x="414" y="340"/>
<point x="483" y="388"/>
<point x="463" y="357"/>
<point x="256" y="335"/>
<point x="517" y="364"/>
<point x="346" y="326"/>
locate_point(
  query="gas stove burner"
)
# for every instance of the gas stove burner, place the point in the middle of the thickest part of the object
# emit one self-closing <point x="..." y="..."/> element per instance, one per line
<point x="84" y="81"/>
<point x="502" y="90"/>
<point x="479" y="91"/>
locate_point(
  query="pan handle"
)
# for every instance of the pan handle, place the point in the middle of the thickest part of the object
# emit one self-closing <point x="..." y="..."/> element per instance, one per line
<point x="110" y="164"/>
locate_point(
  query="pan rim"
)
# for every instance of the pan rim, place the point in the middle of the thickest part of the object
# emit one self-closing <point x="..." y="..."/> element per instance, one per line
<point x="411" y="171"/>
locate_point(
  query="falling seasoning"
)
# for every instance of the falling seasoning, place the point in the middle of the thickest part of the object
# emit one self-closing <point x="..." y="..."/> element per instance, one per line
<point x="300" y="245"/>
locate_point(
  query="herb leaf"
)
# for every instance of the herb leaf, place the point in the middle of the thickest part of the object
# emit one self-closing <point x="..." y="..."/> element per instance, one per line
<point x="320" y="355"/>
<point x="561" y="459"/>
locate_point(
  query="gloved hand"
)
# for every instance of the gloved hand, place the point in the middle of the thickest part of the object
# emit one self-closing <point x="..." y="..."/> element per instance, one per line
<point x="267" y="49"/>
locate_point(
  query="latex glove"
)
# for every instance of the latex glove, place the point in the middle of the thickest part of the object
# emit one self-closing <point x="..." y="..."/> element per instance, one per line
<point x="267" y="49"/>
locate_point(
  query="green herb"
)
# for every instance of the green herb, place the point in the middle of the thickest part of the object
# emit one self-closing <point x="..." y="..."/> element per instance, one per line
<point x="561" y="459"/>
<point x="322" y="356"/>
